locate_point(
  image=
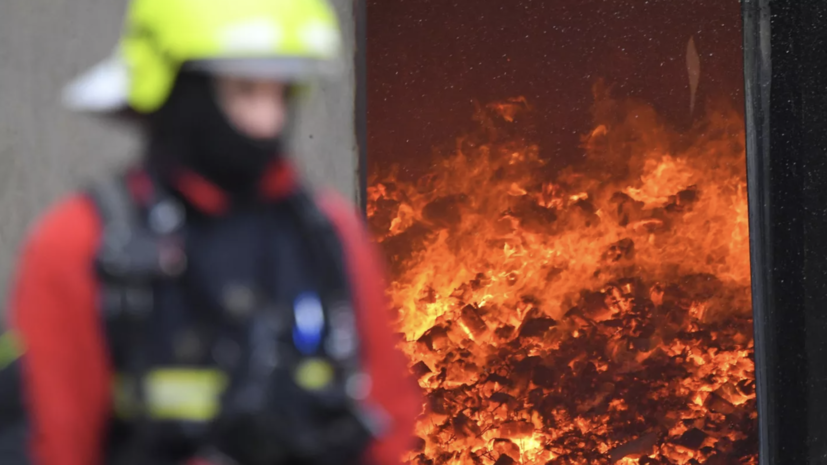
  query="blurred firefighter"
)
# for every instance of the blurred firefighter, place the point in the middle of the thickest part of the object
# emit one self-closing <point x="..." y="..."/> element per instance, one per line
<point x="203" y="306"/>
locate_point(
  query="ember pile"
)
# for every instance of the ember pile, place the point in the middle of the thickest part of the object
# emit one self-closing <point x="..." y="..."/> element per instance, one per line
<point x="595" y="314"/>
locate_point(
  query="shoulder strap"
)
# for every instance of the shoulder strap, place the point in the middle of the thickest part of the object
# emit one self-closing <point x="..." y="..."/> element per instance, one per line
<point x="325" y="242"/>
<point x="125" y="275"/>
<point x="114" y="204"/>
<point x="131" y="258"/>
<point x="342" y="342"/>
<point x="114" y="263"/>
<point x="130" y="251"/>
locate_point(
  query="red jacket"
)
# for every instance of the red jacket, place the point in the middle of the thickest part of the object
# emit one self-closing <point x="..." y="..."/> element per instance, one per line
<point x="67" y="372"/>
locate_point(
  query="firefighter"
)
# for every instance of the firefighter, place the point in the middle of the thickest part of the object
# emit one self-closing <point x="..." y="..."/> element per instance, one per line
<point x="203" y="306"/>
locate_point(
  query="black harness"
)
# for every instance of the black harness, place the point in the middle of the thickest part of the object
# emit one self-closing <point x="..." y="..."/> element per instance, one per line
<point x="143" y="246"/>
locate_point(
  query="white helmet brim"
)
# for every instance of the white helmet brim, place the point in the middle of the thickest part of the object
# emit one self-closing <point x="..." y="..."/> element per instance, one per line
<point x="102" y="89"/>
<point x="105" y="87"/>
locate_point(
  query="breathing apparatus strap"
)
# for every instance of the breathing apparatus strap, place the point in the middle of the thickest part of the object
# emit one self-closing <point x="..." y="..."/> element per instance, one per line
<point x="131" y="258"/>
<point x="342" y="341"/>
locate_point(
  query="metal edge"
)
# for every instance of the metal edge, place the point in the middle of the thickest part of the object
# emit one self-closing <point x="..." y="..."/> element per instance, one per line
<point x="361" y="101"/>
<point x="757" y="78"/>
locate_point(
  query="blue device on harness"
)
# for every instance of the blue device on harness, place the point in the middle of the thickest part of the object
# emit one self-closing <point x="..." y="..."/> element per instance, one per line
<point x="309" y="323"/>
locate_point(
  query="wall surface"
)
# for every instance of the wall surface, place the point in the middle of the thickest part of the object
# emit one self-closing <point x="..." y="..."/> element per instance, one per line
<point x="46" y="152"/>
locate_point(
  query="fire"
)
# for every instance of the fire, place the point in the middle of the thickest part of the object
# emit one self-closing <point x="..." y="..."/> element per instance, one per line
<point x="596" y="314"/>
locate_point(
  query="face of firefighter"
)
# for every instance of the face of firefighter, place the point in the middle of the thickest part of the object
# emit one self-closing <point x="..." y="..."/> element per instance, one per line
<point x="256" y="108"/>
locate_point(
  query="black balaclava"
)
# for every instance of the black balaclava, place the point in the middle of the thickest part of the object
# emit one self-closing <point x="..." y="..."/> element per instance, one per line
<point x="191" y="131"/>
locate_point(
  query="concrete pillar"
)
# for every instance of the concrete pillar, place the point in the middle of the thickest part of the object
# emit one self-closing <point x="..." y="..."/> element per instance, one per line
<point x="46" y="151"/>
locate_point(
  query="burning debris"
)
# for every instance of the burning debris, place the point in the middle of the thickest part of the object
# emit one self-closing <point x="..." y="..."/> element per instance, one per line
<point x="599" y="317"/>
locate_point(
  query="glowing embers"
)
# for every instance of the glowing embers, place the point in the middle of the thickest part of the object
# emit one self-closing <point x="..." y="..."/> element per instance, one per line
<point x="600" y="314"/>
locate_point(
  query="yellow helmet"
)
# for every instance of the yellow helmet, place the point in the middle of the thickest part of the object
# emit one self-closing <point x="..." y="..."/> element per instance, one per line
<point x="289" y="40"/>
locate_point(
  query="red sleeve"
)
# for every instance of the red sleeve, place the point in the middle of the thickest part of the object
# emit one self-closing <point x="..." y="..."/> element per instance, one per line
<point x="393" y="387"/>
<point x="66" y="369"/>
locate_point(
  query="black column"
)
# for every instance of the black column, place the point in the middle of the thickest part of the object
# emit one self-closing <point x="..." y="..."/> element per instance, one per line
<point x="812" y="83"/>
<point x="785" y="52"/>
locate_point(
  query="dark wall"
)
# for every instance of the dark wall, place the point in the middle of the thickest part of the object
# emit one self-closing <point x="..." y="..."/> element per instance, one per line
<point x="428" y="59"/>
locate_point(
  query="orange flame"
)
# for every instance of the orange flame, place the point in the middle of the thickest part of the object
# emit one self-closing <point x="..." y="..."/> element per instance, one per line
<point x="637" y="257"/>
